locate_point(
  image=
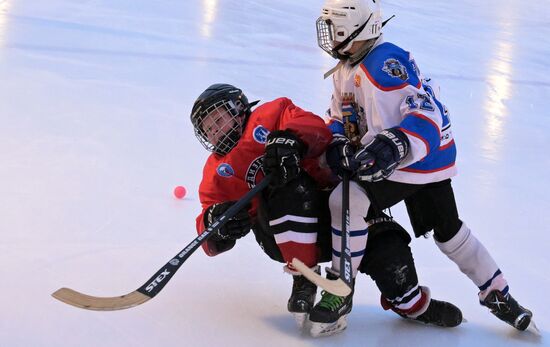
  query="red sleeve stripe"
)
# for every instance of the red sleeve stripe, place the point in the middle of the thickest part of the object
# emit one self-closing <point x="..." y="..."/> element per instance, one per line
<point x="442" y="148"/>
<point x="418" y="137"/>
<point x="427" y="171"/>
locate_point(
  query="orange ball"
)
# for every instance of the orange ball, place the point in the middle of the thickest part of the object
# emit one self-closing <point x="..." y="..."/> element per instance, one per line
<point x="179" y="192"/>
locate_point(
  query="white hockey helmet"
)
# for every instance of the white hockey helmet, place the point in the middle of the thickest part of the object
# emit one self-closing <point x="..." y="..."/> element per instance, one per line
<point x="343" y="22"/>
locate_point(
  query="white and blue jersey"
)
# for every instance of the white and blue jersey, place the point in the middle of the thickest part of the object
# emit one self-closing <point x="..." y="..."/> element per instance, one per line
<point x="387" y="90"/>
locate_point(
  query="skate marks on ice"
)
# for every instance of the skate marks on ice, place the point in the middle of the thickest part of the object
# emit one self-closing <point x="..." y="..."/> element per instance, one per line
<point x="369" y="325"/>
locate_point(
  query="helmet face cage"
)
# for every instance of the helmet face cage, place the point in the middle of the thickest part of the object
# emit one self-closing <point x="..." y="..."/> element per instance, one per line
<point x="219" y="126"/>
<point x="325" y="36"/>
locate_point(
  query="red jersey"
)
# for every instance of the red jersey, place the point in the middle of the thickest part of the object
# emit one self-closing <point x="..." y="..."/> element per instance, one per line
<point x="229" y="177"/>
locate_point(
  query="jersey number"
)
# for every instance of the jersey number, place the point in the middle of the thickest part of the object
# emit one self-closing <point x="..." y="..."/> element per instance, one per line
<point x="422" y="101"/>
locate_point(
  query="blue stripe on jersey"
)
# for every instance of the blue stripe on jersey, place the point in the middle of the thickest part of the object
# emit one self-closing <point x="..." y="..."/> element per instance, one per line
<point x="390" y="67"/>
<point x="353" y="254"/>
<point x="437" y="160"/>
<point x="424" y="128"/>
<point x="351" y="233"/>
<point x="336" y="127"/>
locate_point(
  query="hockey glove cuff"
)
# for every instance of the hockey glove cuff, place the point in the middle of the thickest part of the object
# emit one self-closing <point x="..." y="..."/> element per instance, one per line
<point x="234" y="228"/>
<point x="339" y="155"/>
<point x="283" y="153"/>
<point x="378" y="159"/>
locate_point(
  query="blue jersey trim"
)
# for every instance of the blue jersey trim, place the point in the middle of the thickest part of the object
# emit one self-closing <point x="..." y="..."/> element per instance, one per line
<point x="423" y="128"/>
<point x="336" y="127"/>
<point x="435" y="161"/>
<point x="390" y="67"/>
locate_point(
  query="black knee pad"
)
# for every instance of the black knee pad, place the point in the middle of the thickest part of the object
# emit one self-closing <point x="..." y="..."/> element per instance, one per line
<point x="389" y="262"/>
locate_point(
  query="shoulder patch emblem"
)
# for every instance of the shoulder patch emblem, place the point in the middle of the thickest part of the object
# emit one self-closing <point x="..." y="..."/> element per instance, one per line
<point x="260" y="134"/>
<point x="395" y="69"/>
<point x="357" y="81"/>
<point x="225" y="170"/>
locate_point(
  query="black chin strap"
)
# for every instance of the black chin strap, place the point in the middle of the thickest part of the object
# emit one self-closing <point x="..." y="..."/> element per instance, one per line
<point x="350" y="38"/>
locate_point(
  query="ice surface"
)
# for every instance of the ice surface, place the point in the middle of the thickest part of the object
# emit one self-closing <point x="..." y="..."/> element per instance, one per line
<point x="95" y="97"/>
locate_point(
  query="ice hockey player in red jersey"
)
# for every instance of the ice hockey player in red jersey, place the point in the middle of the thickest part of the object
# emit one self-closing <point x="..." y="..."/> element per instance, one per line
<point x="277" y="138"/>
<point x="403" y="150"/>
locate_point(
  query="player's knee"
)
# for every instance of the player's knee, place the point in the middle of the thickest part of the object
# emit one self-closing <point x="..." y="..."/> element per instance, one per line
<point x="448" y="230"/>
<point x="389" y="262"/>
<point x="383" y="249"/>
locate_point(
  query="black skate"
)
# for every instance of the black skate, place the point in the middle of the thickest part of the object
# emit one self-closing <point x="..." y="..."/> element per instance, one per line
<point x="441" y="313"/>
<point x="329" y="315"/>
<point x="507" y="309"/>
<point x="302" y="298"/>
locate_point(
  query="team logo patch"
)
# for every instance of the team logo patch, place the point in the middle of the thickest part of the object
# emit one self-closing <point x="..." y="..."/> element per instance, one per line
<point x="357" y="81"/>
<point x="225" y="170"/>
<point x="394" y="68"/>
<point x="252" y="171"/>
<point x="260" y="134"/>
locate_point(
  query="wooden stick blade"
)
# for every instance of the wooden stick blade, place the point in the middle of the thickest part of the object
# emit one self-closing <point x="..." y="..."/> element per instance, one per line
<point x="336" y="287"/>
<point x="74" y="298"/>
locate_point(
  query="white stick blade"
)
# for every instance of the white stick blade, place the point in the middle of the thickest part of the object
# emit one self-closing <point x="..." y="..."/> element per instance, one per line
<point x="74" y="298"/>
<point x="336" y="287"/>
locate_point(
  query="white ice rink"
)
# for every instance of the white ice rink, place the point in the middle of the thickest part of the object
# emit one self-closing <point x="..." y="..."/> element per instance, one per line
<point x="95" y="97"/>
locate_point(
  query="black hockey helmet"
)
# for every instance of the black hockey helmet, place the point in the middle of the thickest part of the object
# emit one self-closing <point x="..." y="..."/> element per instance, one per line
<point x="219" y="116"/>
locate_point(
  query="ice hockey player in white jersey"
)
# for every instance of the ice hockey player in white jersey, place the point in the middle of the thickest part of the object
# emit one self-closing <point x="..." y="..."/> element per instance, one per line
<point x="393" y="135"/>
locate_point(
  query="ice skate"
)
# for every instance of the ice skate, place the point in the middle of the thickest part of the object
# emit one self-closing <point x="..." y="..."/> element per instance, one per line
<point x="508" y="310"/>
<point x="302" y="298"/>
<point x="439" y="313"/>
<point x="329" y="316"/>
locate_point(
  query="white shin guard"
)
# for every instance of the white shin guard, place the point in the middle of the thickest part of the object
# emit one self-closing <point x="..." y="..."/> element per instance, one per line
<point x="473" y="259"/>
<point x="358" y="208"/>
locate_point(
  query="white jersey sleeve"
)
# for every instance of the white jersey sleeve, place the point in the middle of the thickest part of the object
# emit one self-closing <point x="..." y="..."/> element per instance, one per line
<point x="389" y="92"/>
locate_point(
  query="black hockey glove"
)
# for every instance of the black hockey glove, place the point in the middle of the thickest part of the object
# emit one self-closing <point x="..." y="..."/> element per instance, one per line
<point x="234" y="228"/>
<point x="378" y="159"/>
<point x="339" y="155"/>
<point x="283" y="152"/>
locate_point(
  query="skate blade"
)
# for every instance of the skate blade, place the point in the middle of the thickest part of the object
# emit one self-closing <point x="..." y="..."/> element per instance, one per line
<point x="327" y="329"/>
<point x="532" y="327"/>
<point x="300" y="319"/>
